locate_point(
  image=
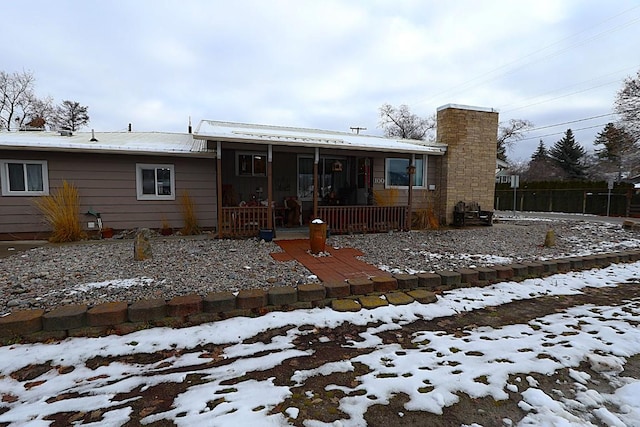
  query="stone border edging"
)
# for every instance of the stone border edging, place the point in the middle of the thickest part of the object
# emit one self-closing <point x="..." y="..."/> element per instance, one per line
<point x="38" y="325"/>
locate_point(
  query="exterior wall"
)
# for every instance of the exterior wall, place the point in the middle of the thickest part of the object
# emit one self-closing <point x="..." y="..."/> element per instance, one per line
<point x="422" y="197"/>
<point x="107" y="184"/>
<point x="468" y="169"/>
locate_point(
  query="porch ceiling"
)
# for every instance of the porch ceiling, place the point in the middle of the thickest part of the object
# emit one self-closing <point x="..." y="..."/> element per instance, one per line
<point x="300" y="137"/>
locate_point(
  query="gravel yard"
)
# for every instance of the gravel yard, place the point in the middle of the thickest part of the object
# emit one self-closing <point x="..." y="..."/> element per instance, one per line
<point x="95" y="272"/>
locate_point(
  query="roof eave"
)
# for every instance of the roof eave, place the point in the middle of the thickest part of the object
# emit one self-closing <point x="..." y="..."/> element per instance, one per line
<point x="203" y="154"/>
<point x="420" y="149"/>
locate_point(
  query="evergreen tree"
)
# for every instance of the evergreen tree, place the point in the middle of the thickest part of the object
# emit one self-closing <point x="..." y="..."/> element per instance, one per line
<point x="619" y="150"/>
<point x="569" y="156"/>
<point x="542" y="167"/>
<point x="541" y="153"/>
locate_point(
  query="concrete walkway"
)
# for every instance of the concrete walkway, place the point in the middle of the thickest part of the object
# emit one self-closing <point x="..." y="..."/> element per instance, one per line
<point x="338" y="266"/>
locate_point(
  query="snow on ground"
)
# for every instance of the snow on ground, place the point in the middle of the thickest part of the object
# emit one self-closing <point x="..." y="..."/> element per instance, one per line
<point x="481" y="363"/>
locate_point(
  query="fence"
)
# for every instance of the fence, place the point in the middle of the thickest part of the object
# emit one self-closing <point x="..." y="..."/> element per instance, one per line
<point x="594" y="199"/>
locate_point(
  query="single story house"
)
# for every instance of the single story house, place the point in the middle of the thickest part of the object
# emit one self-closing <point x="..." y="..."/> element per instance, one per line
<point x="243" y="178"/>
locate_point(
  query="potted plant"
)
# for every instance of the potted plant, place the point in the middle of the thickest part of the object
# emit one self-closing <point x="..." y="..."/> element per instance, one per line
<point x="107" y="233"/>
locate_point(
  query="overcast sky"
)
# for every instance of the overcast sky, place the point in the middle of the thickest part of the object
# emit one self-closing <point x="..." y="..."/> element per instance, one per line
<point x="327" y="64"/>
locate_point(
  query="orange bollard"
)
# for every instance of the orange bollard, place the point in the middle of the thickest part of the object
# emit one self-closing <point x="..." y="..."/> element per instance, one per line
<point x="317" y="236"/>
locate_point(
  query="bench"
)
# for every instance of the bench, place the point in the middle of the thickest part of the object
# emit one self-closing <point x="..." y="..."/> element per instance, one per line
<point x="471" y="214"/>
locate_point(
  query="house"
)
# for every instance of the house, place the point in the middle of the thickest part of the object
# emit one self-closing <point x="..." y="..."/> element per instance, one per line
<point x="244" y="178"/>
<point x="132" y="179"/>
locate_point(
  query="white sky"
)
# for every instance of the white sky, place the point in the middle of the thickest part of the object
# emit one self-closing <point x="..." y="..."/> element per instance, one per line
<point x="328" y="64"/>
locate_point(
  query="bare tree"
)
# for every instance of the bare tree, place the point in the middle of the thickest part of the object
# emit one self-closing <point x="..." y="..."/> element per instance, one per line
<point x="39" y="112"/>
<point x="15" y="91"/>
<point x="70" y="115"/>
<point x="509" y="133"/>
<point x="402" y="123"/>
<point x="627" y="105"/>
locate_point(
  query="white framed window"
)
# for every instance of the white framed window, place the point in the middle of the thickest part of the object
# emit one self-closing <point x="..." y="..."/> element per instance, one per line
<point x="251" y="164"/>
<point x="397" y="176"/>
<point x="24" y="177"/>
<point x="155" y="182"/>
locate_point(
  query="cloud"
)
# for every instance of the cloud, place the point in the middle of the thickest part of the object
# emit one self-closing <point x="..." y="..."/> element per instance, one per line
<point x="327" y="64"/>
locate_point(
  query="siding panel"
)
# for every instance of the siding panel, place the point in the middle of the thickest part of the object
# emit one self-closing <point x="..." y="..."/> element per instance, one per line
<point x="106" y="184"/>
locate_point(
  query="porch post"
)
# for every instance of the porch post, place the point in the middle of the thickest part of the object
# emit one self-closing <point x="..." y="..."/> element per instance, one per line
<point x="411" y="171"/>
<point x="219" y="185"/>
<point x="269" y="187"/>
<point x="316" y="160"/>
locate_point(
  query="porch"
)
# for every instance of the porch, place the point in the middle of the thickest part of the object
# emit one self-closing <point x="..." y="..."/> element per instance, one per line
<point x="247" y="221"/>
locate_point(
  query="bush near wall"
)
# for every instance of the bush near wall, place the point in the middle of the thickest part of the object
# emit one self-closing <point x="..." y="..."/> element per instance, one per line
<point x="589" y="197"/>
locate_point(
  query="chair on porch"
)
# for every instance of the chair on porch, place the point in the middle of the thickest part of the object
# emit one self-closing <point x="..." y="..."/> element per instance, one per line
<point x="294" y="211"/>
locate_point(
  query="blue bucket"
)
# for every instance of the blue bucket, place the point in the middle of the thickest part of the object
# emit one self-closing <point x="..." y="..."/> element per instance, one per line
<point x="266" y="235"/>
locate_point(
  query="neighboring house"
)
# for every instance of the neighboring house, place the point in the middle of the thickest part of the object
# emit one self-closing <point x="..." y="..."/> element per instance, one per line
<point x="231" y="170"/>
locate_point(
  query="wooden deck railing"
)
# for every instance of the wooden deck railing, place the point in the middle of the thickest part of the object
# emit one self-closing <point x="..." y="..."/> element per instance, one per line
<point x="243" y="221"/>
<point x="238" y="222"/>
<point x="363" y="219"/>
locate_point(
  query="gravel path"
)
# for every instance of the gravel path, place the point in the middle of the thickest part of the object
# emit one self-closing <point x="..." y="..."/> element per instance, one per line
<point x="95" y="272"/>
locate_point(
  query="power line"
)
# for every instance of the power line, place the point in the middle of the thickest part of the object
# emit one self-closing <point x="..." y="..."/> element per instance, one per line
<point x="570" y="122"/>
<point x="617" y="80"/>
<point x="560" y="133"/>
<point x="464" y="86"/>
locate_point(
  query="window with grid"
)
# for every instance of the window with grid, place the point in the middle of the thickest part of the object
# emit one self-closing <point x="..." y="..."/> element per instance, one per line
<point x="24" y="177"/>
<point x="155" y="182"/>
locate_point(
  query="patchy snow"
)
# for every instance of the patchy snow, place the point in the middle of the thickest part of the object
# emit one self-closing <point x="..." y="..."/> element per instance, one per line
<point x="432" y="373"/>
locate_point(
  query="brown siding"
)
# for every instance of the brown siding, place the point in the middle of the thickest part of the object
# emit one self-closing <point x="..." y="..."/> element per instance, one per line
<point x="107" y="184"/>
<point x="421" y="197"/>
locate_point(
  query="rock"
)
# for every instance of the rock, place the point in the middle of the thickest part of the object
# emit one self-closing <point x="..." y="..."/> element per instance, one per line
<point x="142" y="245"/>
<point x="550" y="239"/>
<point x="15" y="303"/>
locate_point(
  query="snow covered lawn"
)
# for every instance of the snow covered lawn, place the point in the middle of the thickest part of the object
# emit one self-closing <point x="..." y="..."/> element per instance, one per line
<point x="219" y="373"/>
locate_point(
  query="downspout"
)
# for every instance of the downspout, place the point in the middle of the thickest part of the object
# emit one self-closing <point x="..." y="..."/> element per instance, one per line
<point x="411" y="171"/>
<point x="219" y="185"/>
<point x="316" y="160"/>
<point x="269" y="187"/>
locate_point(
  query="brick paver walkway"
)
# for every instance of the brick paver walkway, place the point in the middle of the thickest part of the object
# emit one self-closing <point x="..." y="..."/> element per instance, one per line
<point x="341" y="265"/>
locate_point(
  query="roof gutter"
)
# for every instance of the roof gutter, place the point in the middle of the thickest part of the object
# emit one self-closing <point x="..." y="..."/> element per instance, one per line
<point x="435" y="151"/>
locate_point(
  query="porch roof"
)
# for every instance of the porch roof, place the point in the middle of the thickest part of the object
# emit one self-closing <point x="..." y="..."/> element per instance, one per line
<point x="301" y="137"/>
<point x="155" y="143"/>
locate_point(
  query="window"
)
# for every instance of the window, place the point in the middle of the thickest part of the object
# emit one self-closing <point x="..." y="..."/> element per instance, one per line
<point x="397" y="175"/>
<point x="155" y="182"/>
<point x="251" y="164"/>
<point x="331" y="177"/>
<point x="24" y="177"/>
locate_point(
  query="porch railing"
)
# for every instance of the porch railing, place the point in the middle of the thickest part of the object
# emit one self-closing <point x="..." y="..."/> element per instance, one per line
<point x="363" y="219"/>
<point x="238" y="222"/>
<point x="243" y="221"/>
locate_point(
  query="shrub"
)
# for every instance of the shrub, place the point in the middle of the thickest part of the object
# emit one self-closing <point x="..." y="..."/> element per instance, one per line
<point x="189" y="215"/>
<point x="61" y="211"/>
<point x="388" y="197"/>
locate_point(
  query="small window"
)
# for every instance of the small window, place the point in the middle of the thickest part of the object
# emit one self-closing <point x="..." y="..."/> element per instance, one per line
<point x="155" y="182"/>
<point x="398" y="176"/>
<point x="24" y="177"/>
<point x="252" y="164"/>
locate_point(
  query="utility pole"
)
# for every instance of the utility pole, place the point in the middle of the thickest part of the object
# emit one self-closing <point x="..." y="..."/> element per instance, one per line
<point x="357" y="129"/>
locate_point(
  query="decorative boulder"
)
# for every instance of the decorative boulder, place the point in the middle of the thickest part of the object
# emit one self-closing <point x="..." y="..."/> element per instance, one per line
<point x="142" y="245"/>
